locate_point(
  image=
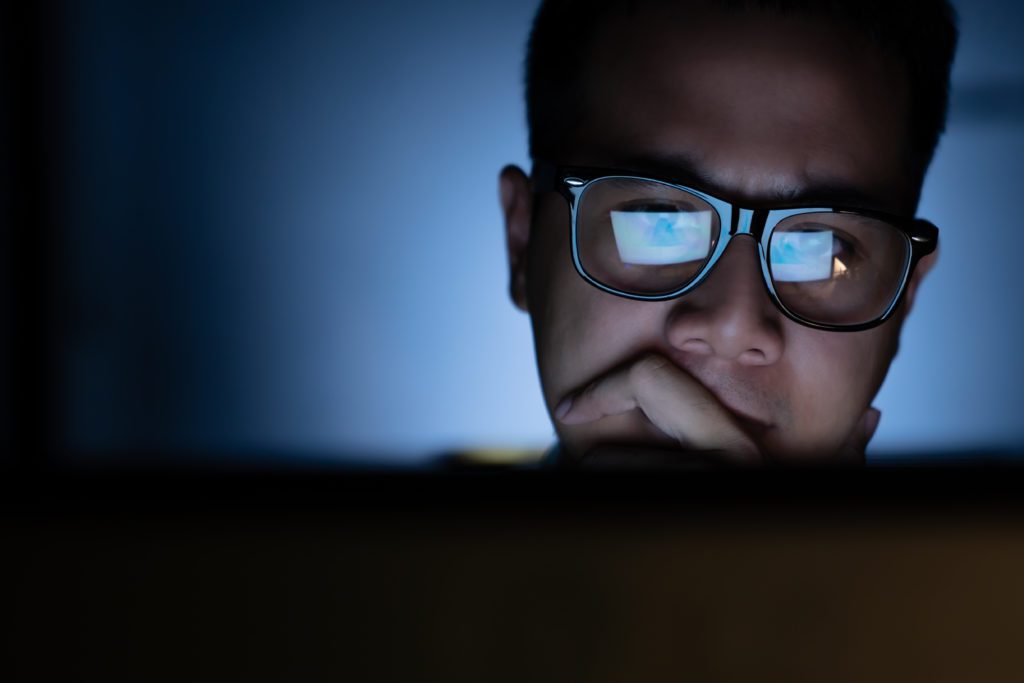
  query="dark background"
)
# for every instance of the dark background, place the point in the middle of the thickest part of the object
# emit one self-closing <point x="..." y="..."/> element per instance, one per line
<point x="272" y="227"/>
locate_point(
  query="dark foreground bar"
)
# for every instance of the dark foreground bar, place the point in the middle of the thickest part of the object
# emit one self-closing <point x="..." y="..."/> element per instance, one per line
<point x="483" y="575"/>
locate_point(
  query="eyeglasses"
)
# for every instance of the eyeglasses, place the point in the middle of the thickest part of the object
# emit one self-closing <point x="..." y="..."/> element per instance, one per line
<point x="652" y="239"/>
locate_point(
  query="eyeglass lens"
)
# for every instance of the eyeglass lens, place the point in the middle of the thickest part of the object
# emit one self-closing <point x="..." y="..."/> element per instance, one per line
<point x="649" y="238"/>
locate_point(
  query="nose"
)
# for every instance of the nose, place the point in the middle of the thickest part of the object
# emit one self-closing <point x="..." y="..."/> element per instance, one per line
<point x="729" y="315"/>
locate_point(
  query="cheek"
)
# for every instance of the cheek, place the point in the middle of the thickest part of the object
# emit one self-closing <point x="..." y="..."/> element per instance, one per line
<point x="585" y="332"/>
<point x="836" y="377"/>
<point x="579" y="331"/>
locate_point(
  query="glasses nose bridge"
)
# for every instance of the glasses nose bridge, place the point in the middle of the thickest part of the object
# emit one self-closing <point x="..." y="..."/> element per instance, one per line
<point x="748" y="222"/>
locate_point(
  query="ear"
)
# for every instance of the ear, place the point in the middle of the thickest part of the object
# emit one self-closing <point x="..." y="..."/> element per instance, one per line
<point x="923" y="266"/>
<point x="517" y="206"/>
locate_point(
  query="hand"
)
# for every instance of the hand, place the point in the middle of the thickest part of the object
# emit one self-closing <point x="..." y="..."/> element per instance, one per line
<point x="672" y="400"/>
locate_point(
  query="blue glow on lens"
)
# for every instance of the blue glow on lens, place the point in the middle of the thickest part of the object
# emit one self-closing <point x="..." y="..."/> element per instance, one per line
<point x="801" y="256"/>
<point x="662" y="238"/>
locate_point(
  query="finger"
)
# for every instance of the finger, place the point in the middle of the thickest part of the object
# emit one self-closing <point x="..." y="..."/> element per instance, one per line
<point x="669" y="397"/>
<point x="609" y="395"/>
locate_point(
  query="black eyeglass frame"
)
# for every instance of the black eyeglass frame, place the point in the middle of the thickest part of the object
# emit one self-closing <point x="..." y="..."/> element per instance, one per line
<point x="572" y="182"/>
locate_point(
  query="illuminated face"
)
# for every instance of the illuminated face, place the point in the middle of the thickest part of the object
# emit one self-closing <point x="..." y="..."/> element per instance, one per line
<point x="757" y="109"/>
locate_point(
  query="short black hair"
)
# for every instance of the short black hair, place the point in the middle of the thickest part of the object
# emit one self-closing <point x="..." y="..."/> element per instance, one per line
<point x="922" y="34"/>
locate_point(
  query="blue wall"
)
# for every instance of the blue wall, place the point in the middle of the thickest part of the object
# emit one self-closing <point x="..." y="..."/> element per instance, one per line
<point x="286" y="234"/>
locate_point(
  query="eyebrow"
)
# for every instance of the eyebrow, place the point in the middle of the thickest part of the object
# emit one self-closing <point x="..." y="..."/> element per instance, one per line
<point x="686" y="170"/>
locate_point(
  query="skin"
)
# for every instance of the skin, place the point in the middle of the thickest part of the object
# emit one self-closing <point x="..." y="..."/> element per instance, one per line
<point x="766" y="110"/>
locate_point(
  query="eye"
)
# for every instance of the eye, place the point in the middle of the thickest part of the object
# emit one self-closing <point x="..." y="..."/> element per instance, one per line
<point x="843" y="245"/>
<point x="658" y="233"/>
<point x="817" y="238"/>
<point x="808" y="253"/>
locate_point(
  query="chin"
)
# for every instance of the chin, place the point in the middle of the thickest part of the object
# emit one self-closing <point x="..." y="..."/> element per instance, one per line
<point x="802" y="454"/>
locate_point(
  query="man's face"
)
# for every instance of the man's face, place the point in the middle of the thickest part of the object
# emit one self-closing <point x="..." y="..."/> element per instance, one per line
<point x="765" y="109"/>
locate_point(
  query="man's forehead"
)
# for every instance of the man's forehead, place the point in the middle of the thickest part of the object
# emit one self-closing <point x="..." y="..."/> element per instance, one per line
<point x="756" y="108"/>
<point x="748" y="186"/>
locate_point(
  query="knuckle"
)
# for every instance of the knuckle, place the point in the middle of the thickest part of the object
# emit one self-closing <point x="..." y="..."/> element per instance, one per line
<point x="647" y="366"/>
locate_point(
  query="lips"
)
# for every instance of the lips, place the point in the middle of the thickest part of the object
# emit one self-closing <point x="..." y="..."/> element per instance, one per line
<point x="753" y="426"/>
<point x="741" y="415"/>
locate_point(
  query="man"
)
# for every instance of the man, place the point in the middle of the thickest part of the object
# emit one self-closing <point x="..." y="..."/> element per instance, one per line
<point x="717" y="244"/>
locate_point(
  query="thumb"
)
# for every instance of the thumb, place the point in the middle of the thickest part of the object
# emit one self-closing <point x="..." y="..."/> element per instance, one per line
<point x="861" y="435"/>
